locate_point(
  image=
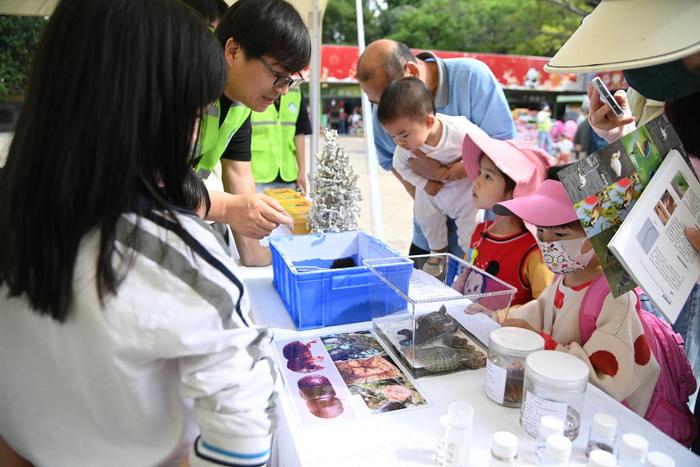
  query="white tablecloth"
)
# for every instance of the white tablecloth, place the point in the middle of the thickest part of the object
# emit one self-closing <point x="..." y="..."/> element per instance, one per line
<point x="408" y="437"/>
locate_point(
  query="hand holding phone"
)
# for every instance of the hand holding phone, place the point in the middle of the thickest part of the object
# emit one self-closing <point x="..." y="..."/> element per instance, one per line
<point x="607" y="97"/>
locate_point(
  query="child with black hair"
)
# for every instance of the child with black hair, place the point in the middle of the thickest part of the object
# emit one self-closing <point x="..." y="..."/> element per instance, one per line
<point x="196" y="196"/>
<point x="503" y="170"/>
<point x="407" y="113"/>
<point x="617" y="353"/>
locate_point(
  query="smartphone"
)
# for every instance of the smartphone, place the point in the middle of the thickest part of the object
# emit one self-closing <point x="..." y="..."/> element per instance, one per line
<point x="606" y="96"/>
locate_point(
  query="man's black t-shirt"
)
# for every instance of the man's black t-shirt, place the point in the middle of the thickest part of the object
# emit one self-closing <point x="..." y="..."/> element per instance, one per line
<point x="238" y="148"/>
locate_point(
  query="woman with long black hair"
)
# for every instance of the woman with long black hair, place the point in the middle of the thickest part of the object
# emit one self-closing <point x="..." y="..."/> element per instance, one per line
<point x="124" y="336"/>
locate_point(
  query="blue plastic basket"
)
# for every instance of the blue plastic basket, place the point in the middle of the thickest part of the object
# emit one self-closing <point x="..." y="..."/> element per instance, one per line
<point x="317" y="296"/>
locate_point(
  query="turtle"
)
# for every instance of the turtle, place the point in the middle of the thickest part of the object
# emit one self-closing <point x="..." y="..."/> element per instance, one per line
<point x="430" y="327"/>
<point x="456" y="342"/>
<point x="434" y="359"/>
<point x="471" y="357"/>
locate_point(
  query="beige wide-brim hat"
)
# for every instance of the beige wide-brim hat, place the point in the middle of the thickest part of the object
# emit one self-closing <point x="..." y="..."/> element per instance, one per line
<point x="624" y="34"/>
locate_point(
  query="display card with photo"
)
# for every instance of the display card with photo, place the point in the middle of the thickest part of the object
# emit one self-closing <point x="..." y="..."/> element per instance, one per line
<point x="651" y="243"/>
<point x="343" y="376"/>
<point x="605" y="186"/>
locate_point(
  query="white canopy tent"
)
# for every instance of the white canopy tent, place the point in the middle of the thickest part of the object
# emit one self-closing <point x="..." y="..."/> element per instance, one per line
<point x="312" y="13"/>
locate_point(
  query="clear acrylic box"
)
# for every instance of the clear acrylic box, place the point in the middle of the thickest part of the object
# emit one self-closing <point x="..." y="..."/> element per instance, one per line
<point x="427" y="328"/>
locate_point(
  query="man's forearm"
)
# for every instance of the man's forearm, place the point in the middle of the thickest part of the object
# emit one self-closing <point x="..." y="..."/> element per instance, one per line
<point x="300" y="143"/>
<point x="238" y="179"/>
<point x="428" y="167"/>
<point x="220" y="203"/>
<point x="251" y="252"/>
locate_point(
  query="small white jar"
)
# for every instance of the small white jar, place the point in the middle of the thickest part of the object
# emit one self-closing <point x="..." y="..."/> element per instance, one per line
<point x="505" y="366"/>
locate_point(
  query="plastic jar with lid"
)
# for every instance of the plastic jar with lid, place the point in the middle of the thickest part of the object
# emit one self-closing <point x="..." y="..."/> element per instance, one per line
<point x="505" y="366"/>
<point x="555" y="384"/>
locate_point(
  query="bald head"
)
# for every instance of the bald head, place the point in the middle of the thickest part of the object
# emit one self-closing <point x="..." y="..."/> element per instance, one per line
<point x="382" y="62"/>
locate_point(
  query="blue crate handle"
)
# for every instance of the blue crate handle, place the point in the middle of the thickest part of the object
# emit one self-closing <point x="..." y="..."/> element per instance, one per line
<point x="351" y="281"/>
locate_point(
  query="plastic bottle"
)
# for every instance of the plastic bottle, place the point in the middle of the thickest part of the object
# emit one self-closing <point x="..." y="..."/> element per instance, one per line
<point x="558" y="451"/>
<point x="602" y="433"/>
<point x="600" y="458"/>
<point x="633" y="450"/>
<point x="549" y="425"/>
<point x="504" y="449"/>
<point x="659" y="459"/>
<point x="460" y="417"/>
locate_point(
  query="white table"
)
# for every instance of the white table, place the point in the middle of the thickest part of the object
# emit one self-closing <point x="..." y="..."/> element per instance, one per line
<point x="409" y="437"/>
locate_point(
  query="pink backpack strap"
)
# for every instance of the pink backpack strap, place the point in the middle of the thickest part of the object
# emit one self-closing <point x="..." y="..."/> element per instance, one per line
<point x="591" y="305"/>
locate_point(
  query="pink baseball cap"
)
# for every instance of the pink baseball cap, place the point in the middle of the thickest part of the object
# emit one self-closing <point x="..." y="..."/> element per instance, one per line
<point x="523" y="162"/>
<point x="549" y="206"/>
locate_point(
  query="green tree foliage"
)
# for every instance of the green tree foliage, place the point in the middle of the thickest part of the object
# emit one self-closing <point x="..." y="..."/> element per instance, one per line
<point x="340" y="23"/>
<point x="20" y="35"/>
<point x="525" y="27"/>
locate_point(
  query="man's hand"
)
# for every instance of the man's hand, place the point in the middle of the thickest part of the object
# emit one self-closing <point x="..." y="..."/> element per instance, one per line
<point x="602" y="116"/>
<point x="255" y="215"/>
<point x="433" y="187"/>
<point x="302" y="184"/>
<point x="455" y="171"/>
<point x="427" y="166"/>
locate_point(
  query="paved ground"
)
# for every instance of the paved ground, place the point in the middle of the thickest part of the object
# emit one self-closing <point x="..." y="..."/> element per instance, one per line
<point x="396" y="204"/>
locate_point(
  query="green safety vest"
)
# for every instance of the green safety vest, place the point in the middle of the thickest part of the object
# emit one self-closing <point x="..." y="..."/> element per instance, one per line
<point x="215" y="139"/>
<point x="272" y="148"/>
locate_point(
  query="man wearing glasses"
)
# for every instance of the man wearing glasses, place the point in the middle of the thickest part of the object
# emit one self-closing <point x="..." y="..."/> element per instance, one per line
<point x="266" y="45"/>
<point x="277" y="150"/>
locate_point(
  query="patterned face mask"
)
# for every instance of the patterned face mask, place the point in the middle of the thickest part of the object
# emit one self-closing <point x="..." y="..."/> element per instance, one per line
<point x="564" y="256"/>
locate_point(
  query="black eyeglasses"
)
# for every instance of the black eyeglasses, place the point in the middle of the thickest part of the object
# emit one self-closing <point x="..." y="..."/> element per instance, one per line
<point x="282" y="80"/>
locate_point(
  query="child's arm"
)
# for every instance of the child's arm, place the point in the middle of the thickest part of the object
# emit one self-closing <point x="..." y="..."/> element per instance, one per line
<point x="231" y="384"/>
<point x="536" y="273"/>
<point x="225" y="367"/>
<point x="617" y="353"/>
<point x="531" y="312"/>
<point x="401" y="165"/>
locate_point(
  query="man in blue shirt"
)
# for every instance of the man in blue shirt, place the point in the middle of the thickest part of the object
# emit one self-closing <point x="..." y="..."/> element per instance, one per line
<point x="461" y="86"/>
